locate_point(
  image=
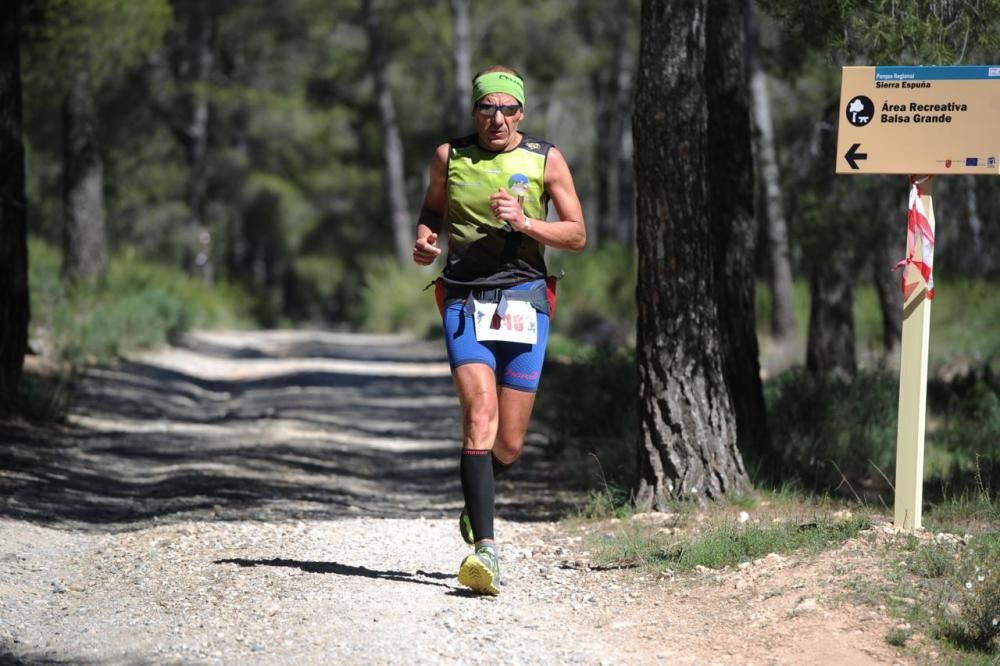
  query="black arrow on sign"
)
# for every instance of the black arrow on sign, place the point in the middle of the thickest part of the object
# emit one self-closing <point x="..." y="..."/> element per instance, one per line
<point x="853" y="155"/>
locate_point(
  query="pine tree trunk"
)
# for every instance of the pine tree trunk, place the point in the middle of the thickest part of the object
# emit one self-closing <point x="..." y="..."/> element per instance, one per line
<point x="888" y="243"/>
<point x="611" y="89"/>
<point x="782" y="323"/>
<point x="731" y="195"/>
<point x="605" y="85"/>
<point x="392" y="146"/>
<point x="200" y="57"/>
<point x="833" y="267"/>
<point x="981" y="259"/>
<point x="85" y="243"/>
<point x="830" y="347"/>
<point x="688" y="431"/>
<point x="461" y="54"/>
<point x="626" y="180"/>
<point x="14" y="305"/>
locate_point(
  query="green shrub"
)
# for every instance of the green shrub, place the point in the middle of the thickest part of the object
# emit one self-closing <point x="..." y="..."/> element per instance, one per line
<point x="972" y="416"/>
<point x="394" y="299"/>
<point x="933" y="561"/>
<point x="723" y="545"/>
<point x="45" y="396"/>
<point x="828" y="431"/>
<point x="977" y="626"/>
<point x="320" y="286"/>
<point x="589" y="407"/>
<point x="596" y="299"/>
<point x="729" y="545"/>
<point x="611" y="501"/>
<point x="136" y="305"/>
<point x="898" y="636"/>
<point x="964" y="330"/>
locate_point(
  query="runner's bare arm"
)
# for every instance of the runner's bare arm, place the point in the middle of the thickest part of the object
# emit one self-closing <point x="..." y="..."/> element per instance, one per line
<point x="425" y="249"/>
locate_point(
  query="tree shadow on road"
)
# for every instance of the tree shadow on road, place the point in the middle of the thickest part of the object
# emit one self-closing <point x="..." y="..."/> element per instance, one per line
<point x="150" y="441"/>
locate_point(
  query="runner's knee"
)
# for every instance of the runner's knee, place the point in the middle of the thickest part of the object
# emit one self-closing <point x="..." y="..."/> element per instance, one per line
<point x="480" y="425"/>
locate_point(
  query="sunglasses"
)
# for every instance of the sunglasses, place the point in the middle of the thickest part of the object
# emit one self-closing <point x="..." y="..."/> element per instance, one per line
<point x="490" y="110"/>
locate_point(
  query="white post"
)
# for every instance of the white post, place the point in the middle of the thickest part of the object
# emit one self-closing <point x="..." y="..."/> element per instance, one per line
<point x="912" y="411"/>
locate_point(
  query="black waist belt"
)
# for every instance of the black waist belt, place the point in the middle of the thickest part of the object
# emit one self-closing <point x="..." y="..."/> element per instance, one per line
<point x="537" y="296"/>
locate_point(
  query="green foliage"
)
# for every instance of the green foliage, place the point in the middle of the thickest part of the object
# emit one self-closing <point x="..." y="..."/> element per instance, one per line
<point x="898" y="636"/>
<point x="965" y="324"/>
<point x="588" y="405"/>
<point x="321" y="280"/>
<point x="978" y="624"/>
<point x="724" y="545"/>
<point x="954" y="592"/>
<point x="972" y="417"/>
<point x="394" y="300"/>
<point x="138" y="305"/>
<point x="101" y="38"/>
<point x="611" y="501"/>
<point x="45" y="396"/>
<point x="729" y="545"/>
<point x="596" y="299"/>
<point x="952" y="512"/>
<point x="840" y="434"/>
<point x="885" y="32"/>
<point x="595" y="304"/>
<point x="831" y="430"/>
<point x="933" y="561"/>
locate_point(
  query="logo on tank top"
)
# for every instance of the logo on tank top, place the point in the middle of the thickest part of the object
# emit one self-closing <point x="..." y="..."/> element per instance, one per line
<point x="518" y="184"/>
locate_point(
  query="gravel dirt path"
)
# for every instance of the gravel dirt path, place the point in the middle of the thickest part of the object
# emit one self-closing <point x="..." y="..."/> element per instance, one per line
<point x="291" y="497"/>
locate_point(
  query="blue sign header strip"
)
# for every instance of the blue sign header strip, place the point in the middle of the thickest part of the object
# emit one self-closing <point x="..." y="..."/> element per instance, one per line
<point x="933" y="73"/>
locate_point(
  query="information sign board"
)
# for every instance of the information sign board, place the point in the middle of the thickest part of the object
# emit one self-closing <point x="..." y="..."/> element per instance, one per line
<point x="919" y="120"/>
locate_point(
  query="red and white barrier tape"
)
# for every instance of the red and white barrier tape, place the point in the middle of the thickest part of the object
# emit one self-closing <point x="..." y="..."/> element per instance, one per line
<point x="917" y="223"/>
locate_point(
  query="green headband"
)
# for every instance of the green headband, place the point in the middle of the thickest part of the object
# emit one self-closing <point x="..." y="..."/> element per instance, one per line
<point x="498" y="82"/>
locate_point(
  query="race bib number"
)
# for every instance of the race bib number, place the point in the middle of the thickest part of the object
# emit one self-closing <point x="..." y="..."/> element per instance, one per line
<point x="507" y="321"/>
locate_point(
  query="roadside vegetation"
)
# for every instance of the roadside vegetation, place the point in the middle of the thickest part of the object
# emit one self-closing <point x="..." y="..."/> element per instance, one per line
<point x="137" y="305"/>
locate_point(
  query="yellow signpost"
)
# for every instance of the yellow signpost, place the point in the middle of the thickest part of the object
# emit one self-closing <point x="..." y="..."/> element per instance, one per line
<point x="926" y="121"/>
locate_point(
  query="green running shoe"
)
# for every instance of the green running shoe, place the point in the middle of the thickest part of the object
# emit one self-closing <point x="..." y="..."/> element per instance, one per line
<point x="480" y="572"/>
<point x="465" y="527"/>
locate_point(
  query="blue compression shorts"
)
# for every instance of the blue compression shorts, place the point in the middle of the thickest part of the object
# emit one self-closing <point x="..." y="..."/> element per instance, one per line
<point x="516" y="365"/>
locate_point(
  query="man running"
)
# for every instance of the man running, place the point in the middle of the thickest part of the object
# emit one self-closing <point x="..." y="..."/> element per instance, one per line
<point x="490" y="191"/>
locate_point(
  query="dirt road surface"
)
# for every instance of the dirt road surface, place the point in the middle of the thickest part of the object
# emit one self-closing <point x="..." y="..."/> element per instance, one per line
<point x="290" y="497"/>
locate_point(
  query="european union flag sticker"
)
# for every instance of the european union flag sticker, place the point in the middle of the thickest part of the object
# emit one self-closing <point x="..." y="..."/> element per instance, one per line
<point x="971" y="161"/>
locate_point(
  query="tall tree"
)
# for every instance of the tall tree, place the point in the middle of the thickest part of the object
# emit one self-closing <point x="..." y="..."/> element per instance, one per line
<point x="885" y="245"/>
<point x="392" y="146"/>
<point x="730" y="176"/>
<point x="77" y="47"/>
<point x="609" y="31"/>
<point x="461" y="54"/>
<point x="192" y="60"/>
<point x="14" y="306"/>
<point x="874" y="32"/>
<point x="687" y="426"/>
<point x="779" y="279"/>
<point x="85" y="238"/>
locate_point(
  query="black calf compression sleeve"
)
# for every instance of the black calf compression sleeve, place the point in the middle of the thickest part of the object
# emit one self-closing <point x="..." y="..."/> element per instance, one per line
<point x="477" y="485"/>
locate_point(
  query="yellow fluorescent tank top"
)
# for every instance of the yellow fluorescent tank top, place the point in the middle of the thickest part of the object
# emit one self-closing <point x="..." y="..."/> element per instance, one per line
<point x="483" y="250"/>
